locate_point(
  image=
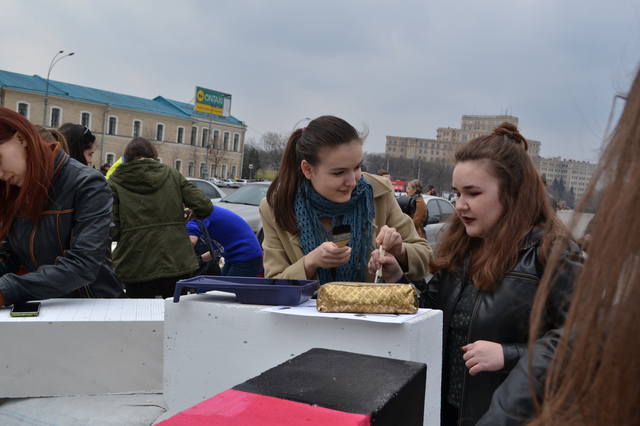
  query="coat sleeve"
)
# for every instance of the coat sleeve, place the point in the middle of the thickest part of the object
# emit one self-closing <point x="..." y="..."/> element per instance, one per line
<point x="193" y="198"/>
<point x="418" y="251"/>
<point x="277" y="263"/>
<point x="7" y="261"/>
<point x="87" y="250"/>
<point x="512" y="403"/>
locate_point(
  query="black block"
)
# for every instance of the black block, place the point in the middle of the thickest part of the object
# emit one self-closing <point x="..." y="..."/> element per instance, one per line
<point x="391" y="391"/>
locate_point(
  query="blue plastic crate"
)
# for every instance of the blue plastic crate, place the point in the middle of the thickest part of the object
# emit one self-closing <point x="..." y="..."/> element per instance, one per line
<point x="253" y="290"/>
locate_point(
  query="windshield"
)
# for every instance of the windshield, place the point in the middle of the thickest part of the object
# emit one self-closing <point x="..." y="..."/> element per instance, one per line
<point x="250" y="194"/>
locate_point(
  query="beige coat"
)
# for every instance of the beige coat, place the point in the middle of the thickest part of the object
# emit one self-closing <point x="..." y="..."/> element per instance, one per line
<point x="283" y="255"/>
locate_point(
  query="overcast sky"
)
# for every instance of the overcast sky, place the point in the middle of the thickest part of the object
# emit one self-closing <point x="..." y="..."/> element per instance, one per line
<point x="401" y="68"/>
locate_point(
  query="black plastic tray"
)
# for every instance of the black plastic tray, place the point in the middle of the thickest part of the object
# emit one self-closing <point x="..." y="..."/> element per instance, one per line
<point x="252" y="290"/>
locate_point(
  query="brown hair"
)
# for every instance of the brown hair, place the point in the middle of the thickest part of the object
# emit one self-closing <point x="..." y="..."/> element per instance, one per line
<point x="524" y="202"/>
<point x="30" y="199"/>
<point x="79" y="138"/>
<point x="140" y="147"/>
<point x="416" y="184"/>
<point x="304" y="144"/>
<point x="593" y="378"/>
<point x="53" y="136"/>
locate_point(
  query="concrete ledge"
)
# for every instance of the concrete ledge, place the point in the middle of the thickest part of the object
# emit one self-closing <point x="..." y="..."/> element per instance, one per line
<point x="83" y="346"/>
<point x="213" y="343"/>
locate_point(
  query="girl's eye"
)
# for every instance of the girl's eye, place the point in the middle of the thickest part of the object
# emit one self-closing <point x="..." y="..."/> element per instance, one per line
<point x="337" y="173"/>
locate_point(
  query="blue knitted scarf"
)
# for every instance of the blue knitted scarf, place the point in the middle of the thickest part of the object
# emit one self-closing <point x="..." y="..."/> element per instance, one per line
<point x="358" y="212"/>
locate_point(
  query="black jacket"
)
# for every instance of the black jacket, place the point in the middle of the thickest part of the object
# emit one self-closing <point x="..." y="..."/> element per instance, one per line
<point x="512" y="402"/>
<point x="501" y="316"/>
<point x="66" y="253"/>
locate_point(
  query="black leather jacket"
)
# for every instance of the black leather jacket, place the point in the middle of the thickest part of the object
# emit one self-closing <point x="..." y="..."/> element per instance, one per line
<point x="67" y="253"/>
<point x="501" y="316"/>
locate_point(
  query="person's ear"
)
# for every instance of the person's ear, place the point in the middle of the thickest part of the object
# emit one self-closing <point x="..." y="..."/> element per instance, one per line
<point x="306" y="168"/>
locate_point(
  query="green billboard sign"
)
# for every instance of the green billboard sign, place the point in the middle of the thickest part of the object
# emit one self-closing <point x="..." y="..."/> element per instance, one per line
<point x="212" y="102"/>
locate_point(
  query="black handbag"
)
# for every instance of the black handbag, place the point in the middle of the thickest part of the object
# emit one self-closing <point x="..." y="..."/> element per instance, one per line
<point x="204" y="244"/>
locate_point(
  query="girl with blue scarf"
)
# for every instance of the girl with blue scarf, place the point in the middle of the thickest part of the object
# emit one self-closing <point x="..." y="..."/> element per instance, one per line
<point x="320" y="187"/>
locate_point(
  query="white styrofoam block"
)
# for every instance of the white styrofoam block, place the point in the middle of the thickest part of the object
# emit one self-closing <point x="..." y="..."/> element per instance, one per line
<point x="213" y="343"/>
<point x="83" y="346"/>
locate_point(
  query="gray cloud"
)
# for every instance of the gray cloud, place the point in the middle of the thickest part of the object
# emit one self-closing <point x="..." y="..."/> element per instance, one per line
<point x="398" y="68"/>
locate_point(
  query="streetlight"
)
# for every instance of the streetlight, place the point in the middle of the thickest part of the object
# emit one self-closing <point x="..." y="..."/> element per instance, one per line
<point x="57" y="58"/>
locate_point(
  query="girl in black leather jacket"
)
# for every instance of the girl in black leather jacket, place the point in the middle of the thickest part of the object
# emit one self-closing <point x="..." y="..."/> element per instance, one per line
<point x="55" y="216"/>
<point x="487" y="270"/>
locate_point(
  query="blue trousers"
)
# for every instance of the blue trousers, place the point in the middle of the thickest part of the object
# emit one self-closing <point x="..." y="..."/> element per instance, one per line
<point x="247" y="268"/>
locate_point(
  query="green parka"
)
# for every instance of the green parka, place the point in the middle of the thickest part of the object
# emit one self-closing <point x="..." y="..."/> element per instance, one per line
<point x="148" y="219"/>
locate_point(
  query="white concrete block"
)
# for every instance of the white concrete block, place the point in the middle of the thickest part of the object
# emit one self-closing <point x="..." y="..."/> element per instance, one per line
<point x="82" y="346"/>
<point x="213" y="344"/>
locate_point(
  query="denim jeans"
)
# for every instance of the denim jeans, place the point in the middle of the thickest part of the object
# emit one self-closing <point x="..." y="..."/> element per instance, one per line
<point x="247" y="268"/>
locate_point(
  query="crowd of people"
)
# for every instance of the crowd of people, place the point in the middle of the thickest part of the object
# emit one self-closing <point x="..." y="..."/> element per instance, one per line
<point x="532" y="331"/>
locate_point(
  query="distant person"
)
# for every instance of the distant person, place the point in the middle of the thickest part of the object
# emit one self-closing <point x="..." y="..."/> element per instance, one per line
<point x="53" y="136"/>
<point x="153" y="250"/>
<point x="55" y="217"/>
<point x="431" y="190"/>
<point x="81" y="142"/>
<point x="320" y="189"/>
<point x="384" y="173"/>
<point x="242" y="252"/>
<point x="419" y="217"/>
<point x="105" y="168"/>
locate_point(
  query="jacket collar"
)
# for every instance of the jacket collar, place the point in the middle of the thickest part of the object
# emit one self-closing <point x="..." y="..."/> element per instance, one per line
<point x="379" y="184"/>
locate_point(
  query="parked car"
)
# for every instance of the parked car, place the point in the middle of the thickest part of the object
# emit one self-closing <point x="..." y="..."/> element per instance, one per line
<point x="245" y="202"/>
<point x="209" y="189"/>
<point x="242" y="182"/>
<point x="230" y="183"/>
<point x="218" y="182"/>
<point x="439" y="211"/>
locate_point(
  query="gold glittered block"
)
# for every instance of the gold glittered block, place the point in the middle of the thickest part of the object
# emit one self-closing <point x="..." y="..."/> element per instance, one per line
<point x="367" y="298"/>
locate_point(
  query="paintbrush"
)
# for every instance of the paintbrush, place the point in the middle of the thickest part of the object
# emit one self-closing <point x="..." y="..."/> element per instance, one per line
<point x="378" y="278"/>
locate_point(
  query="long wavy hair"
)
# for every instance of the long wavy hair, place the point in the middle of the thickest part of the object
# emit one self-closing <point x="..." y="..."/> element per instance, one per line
<point x="304" y="144"/>
<point x="593" y="377"/>
<point x="524" y="202"/>
<point x="30" y="199"/>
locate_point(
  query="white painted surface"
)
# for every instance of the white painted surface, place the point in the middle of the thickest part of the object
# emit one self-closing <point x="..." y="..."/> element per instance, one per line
<point x="213" y="343"/>
<point x="82" y="346"/>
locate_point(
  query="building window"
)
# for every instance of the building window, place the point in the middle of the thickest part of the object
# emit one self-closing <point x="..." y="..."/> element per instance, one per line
<point x="233" y="171"/>
<point x="112" y="126"/>
<point x="137" y="128"/>
<point x="23" y="109"/>
<point x="85" y="119"/>
<point x="236" y="142"/>
<point x="178" y="165"/>
<point x="56" y="117"/>
<point x="194" y="135"/>
<point x="223" y="171"/>
<point x="110" y="158"/>
<point x="216" y="136"/>
<point x="213" y="171"/>
<point x="205" y="137"/>
<point x="191" y="168"/>
<point x="203" y="170"/>
<point x="160" y="133"/>
<point x="180" y="135"/>
<point x="226" y="141"/>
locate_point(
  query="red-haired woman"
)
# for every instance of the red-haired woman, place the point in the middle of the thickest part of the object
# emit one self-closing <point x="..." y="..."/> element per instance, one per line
<point x="487" y="270"/>
<point x="55" y="215"/>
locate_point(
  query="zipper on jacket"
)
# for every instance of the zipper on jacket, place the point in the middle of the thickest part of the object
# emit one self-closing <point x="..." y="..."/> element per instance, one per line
<point x="464" y="379"/>
<point x="58" y="234"/>
<point x="32" y="243"/>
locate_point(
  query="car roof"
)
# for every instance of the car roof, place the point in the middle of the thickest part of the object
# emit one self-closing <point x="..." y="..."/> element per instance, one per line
<point x="431" y="197"/>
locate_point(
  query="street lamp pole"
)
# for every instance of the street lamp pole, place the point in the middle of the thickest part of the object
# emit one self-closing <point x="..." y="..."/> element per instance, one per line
<point x="57" y="58"/>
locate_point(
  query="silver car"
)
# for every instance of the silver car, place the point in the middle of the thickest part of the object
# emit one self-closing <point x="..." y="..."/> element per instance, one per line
<point x="245" y="202"/>
<point x="208" y="189"/>
<point x="439" y="211"/>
